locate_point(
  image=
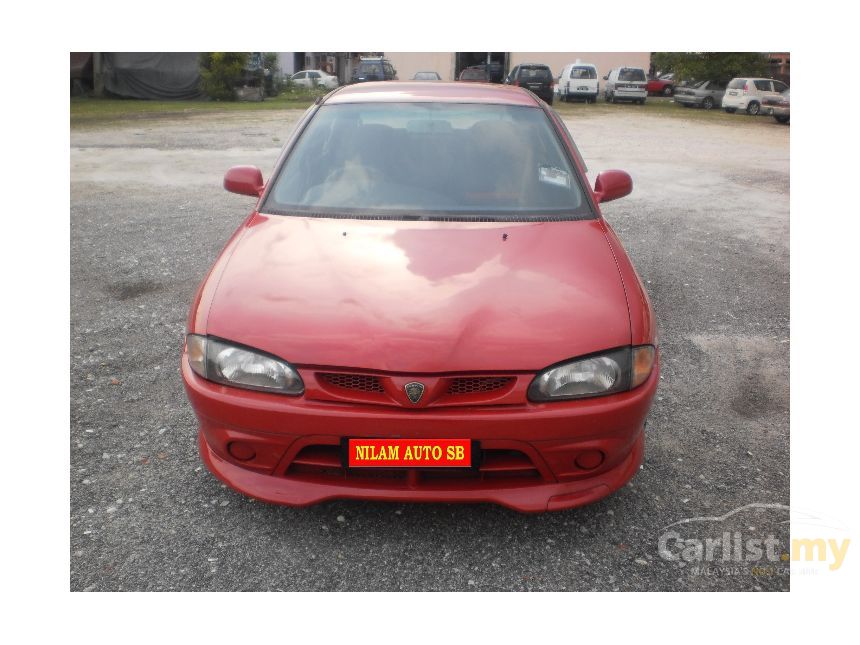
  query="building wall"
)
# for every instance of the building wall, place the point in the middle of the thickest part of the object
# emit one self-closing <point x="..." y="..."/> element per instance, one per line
<point x="407" y="63"/>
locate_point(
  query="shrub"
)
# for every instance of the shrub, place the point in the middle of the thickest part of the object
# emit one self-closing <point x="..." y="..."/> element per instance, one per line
<point x="272" y="78"/>
<point x="220" y="73"/>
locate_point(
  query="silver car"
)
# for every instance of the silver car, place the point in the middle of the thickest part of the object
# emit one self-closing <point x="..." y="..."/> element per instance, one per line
<point x="705" y="94"/>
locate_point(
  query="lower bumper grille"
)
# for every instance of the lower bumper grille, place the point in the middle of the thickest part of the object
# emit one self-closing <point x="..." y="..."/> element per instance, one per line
<point x="497" y="467"/>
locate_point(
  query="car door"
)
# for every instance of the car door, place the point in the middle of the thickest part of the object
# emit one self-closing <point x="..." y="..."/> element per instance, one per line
<point x="764" y="88"/>
<point x="716" y="89"/>
<point x="779" y="87"/>
<point x="301" y="79"/>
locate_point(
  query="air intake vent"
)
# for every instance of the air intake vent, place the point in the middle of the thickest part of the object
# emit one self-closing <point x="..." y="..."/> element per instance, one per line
<point x="475" y="384"/>
<point x="359" y="382"/>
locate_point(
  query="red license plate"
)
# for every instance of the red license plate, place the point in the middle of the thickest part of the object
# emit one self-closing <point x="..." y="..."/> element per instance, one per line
<point x="409" y="453"/>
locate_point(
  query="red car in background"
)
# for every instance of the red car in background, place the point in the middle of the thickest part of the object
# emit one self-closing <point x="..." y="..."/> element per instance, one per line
<point x="662" y="86"/>
<point x="426" y="304"/>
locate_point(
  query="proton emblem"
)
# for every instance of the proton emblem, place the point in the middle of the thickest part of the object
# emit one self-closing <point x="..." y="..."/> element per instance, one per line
<point x="414" y="391"/>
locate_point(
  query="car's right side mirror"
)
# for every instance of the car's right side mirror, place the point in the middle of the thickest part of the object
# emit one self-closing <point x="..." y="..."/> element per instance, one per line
<point x="612" y="184"/>
<point x="606" y="78"/>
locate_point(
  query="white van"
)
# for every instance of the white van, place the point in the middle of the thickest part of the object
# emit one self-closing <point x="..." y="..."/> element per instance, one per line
<point x="626" y="84"/>
<point x="578" y="81"/>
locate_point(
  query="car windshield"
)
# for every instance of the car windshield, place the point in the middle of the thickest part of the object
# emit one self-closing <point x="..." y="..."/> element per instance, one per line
<point x="473" y="75"/>
<point x="698" y="84"/>
<point x="535" y="73"/>
<point x="631" y="74"/>
<point x="583" y="72"/>
<point x="426" y="76"/>
<point x="368" y="69"/>
<point x="432" y="160"/>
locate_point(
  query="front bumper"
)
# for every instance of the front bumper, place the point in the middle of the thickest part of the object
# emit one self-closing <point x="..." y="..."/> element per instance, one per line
<point x="534" y="447"/>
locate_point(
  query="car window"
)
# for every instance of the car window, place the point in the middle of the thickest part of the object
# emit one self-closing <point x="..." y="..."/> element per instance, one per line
<point x="313" y="74"/>
<point x="299" y="76"/>
<point x="473" y="75"/>
<point x="779" y="86"/>
<point x="389" y="70"/>
<point x="535" y="74"/>
<point x="737" y="84"/>
<point x="631" y="74"/>
<point x="716" y="85"/>
<point x="429" y="159"/>
<point x="583" y="72"/>
<point x="762" y="86"/>
<point x="370" y="69"/>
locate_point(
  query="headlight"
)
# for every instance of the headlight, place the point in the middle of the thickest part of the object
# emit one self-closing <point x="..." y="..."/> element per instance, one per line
<point x="608" y="373"/>
<point x="218" y="361"/>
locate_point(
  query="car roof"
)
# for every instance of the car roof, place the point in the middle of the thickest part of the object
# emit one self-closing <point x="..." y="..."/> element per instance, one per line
<point x="443" y="92"/>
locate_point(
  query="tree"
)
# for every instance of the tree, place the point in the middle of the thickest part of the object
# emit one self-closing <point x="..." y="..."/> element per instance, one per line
<point x="715" y="66"/>
<point x="220" y="73"/>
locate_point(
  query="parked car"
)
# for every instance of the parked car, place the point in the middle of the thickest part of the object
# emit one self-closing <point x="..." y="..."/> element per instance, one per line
<point x="778" y="106"/>
<point x="578" y="81"/>
<point x="703" y="94"/>
<point x="517" y="367"/>
<point x="625" y="84"/>
<point x="314" y="78"/>
<point x="662" y="86"/>
<point x="474" y="75"/>
<point x="495" y="72"/>
<point x="426" y="76"/>
<point x="748" y="93"/>
<point x="534" y="77"/>
<point x="373" y="69"/>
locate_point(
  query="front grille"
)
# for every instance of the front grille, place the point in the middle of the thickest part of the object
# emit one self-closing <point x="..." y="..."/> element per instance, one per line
<point x="360" y="382"/>
<point x="471" y="385"/>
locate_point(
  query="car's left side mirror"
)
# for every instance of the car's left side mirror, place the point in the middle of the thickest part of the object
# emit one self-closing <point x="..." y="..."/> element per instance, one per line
<point x="612" y="184"/>
<point x="244" y="180"/>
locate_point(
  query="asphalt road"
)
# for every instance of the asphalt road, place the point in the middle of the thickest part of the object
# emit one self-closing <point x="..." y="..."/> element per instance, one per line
<point x="707" y="227"/>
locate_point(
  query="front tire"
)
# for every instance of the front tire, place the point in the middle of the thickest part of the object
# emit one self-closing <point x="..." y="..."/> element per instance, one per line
<point x="668" y="90"/>
<point x="754" y="108"/>
<point x="781" y="119"/>
<point x="708" y="103"/>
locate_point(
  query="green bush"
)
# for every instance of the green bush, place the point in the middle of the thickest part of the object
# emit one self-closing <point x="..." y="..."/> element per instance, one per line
<point x="220" y="73"/>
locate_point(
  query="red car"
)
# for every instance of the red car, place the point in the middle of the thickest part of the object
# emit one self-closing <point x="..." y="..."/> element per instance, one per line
<point x="663" y="86"/>
<point x="426" y="304"/>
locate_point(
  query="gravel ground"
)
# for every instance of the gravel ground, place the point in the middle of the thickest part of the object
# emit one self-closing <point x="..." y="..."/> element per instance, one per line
<point x="707" y="227"/>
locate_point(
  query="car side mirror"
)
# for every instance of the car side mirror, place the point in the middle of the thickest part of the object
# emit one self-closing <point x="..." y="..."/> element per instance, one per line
<point x="612" y="184"/>
<point x="244" y="180"/>
<point x="606" y="78"/>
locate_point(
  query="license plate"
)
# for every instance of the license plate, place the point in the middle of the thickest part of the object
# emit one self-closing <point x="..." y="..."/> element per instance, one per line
<point x="733" y="93"/>
<point x="409" y="453"/>
<point x="582" y="88"/>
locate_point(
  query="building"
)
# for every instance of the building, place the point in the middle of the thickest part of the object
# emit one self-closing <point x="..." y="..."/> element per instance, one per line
<point x="779" y="66"/>
<point x="449" y="64"/>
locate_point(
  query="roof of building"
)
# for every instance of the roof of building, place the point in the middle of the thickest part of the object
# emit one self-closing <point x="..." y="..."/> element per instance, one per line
<point x="435" y="92"/>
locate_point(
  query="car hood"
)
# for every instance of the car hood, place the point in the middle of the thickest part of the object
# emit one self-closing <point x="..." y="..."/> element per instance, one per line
<point x="421" y="297"/>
